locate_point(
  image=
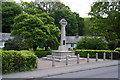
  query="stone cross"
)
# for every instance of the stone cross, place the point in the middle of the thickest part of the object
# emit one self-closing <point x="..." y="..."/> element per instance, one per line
<point x="62" y="46"/>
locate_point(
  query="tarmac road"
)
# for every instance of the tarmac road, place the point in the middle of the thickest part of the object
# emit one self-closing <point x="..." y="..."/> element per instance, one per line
<point x="105" y="72"/>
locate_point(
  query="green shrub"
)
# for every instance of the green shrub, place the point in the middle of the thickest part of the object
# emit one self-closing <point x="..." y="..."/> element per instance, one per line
<point x="112" y="45"/>
<point x="42" y="53"/>
<point x="92" y="43"/>
<point x="15" y="61"/>
<point x="15" y="44"/>
<point x="83" y="53"/>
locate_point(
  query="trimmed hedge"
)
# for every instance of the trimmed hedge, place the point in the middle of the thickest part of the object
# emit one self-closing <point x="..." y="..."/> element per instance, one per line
<point x="17" y="61"/>
<point x="42" y="53"/>
<point x="117" y="49"/>
<point x="83" y="53"/>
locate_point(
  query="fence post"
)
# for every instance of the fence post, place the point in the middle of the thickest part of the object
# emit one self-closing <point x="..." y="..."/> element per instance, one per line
<point x="104" y="56"/>
<point x="53" y="61"/>
<point x="88" y="57"/>
<point x="66" y="59"/>
<point x="78" y="56"/>
<point x="111" y="56"/>
<point x="96" y="57"/>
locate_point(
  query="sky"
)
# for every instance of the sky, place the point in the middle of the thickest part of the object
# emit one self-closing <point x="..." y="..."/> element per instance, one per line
<point x="80" y="6"/>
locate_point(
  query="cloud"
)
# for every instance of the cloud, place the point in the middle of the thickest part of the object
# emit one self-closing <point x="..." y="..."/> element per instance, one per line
<point x="80" y="6"/>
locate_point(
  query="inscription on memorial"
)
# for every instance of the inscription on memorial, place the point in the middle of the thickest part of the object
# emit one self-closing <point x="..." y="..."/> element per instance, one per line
<point x="63" y="42"/>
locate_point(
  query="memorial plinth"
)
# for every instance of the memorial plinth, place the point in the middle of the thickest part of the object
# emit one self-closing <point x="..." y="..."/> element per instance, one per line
<point x="62" y="52"/>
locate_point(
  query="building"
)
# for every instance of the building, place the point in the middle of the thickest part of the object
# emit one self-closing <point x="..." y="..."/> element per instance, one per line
<point x="3" y="38"/>
<point x="71" y="41"/>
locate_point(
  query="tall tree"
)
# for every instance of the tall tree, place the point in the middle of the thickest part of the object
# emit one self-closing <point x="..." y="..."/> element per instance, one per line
<point x="34" y="31"/>
<point x="72" y="27"/>
<point x="50" y="5"/>
<point x="51" y="30"/>
<point x="106" y="20"/>
<point x="30" y="8"/>
<point x="27" y="27"/>
<point x="9" y="11"/>
<point x="80" y="23"/>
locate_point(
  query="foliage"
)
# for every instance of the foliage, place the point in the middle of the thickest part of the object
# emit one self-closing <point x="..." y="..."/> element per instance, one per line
<point x="80" y="24"/>
<point x="41" y="25"/>
<point x="106" y="20"/>
<point x="83" y="53"/>
<point x="72" y="27"/>
<point x="14" y="61"/>
<point x="86" y="29"/>
<point x="51" y="30"/>
<point x="91" y="43"/>
<point x="42" y="53"/>
<point x="9" y="11"/>
<point x="50" y="6"/>
<point x="30" y="8"/>
<point x="15" y="44"/>
<point x="29" y="28"/>
<point x="58" y="10"/>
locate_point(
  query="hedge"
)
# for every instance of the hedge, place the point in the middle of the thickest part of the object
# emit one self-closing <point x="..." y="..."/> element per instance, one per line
<point x="117" y="49"/>
<point x="42" y="53"/>
<point x="17" y="61"/>
<point x="83" y="53"/>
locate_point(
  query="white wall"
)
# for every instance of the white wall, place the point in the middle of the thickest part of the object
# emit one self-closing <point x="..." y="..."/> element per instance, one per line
<point x="70" y="47"/>
<point x="2" y="44"/>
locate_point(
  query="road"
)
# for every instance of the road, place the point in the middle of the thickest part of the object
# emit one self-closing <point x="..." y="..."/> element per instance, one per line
<point x="106" y="72"/>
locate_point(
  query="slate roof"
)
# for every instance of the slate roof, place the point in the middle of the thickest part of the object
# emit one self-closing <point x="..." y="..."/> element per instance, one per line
<point x="5" y="36"/>
<point x="75" y="39"/>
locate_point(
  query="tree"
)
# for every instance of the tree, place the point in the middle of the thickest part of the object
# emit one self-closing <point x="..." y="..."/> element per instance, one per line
<point x="106" y="20"/>
<point x="35" y="30"/>
<point x="30" y="8"/>
<point x="29" y="28"/>
<point x="51" y="30"/>
<point x="9" y="11"/>
<point x="57" y="10"/>
<point x="50" y="6"/>
<point x="72" y="27"/>
<point x="86" y="29"/>
<point x="80" y="23"/>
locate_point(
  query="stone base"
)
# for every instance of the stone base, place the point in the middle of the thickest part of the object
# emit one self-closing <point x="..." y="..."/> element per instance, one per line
<point x="61" y="56"/>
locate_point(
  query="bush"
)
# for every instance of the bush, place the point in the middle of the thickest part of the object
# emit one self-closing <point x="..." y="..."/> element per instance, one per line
<point x="83" y="53"/>
<point x="15" y="61"/>
<point x="15" y="44"/>
<point x="92" y="43"/>
<point x="42" y="53"/>
<point x="112" y="45"/>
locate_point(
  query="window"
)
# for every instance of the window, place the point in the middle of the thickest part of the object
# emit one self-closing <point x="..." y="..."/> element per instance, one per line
<point x="63" y="42"/>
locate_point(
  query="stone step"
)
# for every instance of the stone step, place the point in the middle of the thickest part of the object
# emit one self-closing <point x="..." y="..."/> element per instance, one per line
<point x="61" y="57"/>
<point x="58" y="59"/>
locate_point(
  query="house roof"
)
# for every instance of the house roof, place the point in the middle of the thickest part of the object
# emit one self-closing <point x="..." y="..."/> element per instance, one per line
<point x="75" y="39"/>
<point x="5" y="36"/>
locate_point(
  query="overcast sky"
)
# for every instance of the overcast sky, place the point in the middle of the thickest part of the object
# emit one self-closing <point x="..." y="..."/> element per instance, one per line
<point x="80" y="6"/>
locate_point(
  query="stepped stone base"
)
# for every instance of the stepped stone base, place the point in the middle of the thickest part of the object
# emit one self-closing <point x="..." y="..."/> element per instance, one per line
<point x="61" y="56"/>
